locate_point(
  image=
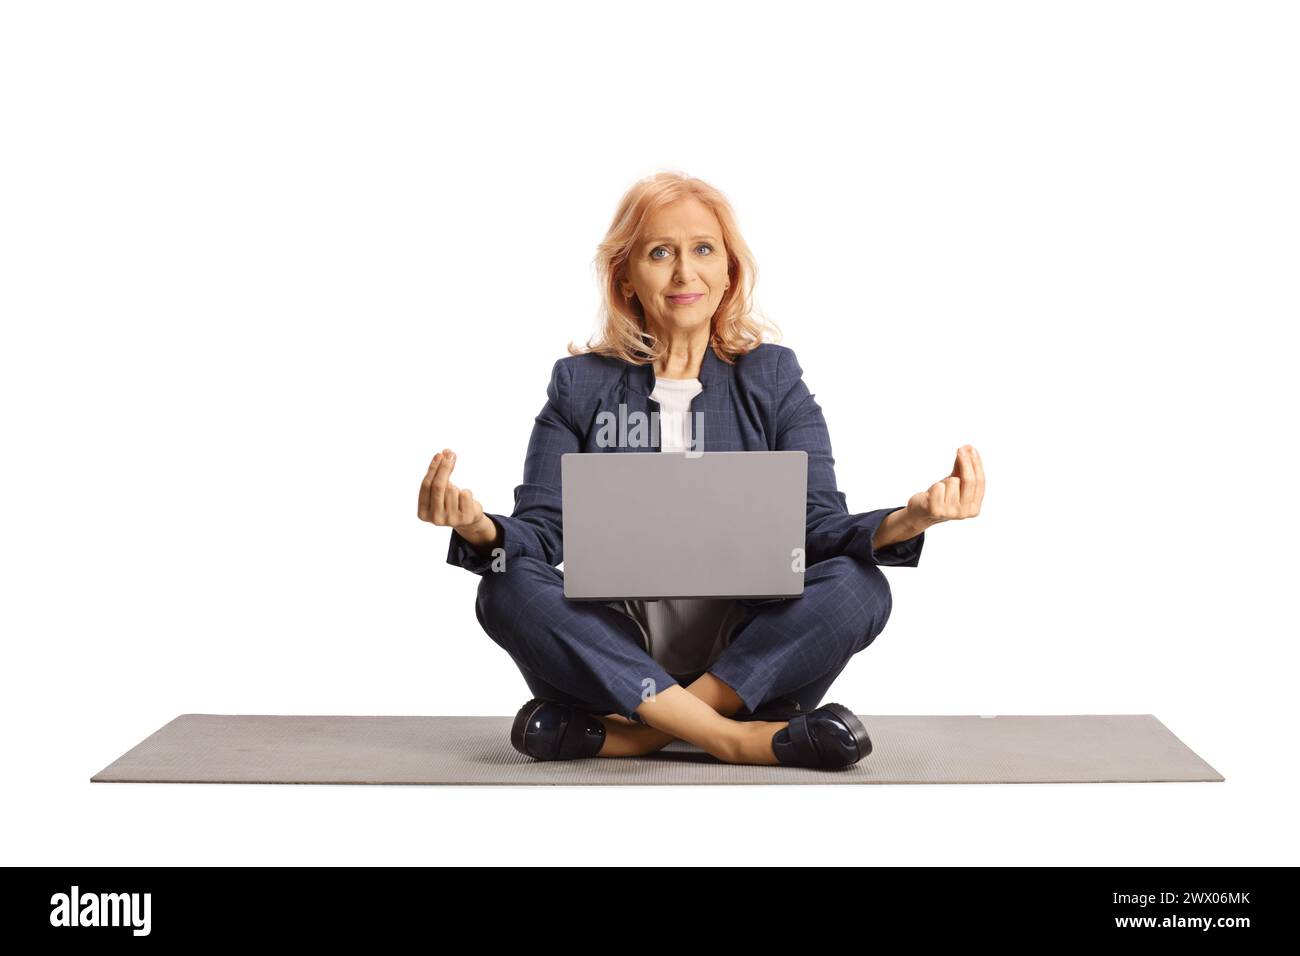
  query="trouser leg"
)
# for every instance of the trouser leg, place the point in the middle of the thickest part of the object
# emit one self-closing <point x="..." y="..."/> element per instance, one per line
<point x="794" y="648"/>
<point x="801" y="700"/>
<point x="581" y="652"/>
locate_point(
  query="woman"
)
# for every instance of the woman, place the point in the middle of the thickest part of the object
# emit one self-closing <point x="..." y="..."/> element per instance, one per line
<point x="740" y="679"/>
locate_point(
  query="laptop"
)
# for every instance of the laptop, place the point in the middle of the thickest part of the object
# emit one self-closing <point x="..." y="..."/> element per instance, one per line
<point x="653" y="525"/>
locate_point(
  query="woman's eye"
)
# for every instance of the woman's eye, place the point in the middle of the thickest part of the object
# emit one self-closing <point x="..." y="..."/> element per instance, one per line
<point x="703" y="245"/>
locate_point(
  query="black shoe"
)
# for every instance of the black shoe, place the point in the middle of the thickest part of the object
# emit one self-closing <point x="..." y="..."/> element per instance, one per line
<point x="829" y="737"/>
<point x="547" y="730"/>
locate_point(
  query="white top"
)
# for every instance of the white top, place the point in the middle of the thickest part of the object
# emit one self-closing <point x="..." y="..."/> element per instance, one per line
<point x="674" y="396"/>
<point x="685" y="635"/>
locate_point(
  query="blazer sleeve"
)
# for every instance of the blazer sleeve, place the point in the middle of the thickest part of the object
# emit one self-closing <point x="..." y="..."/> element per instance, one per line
<point x="831" y="529"/>
<point x="535" y="528"/>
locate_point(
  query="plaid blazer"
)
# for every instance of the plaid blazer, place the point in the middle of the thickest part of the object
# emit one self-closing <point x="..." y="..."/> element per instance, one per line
<point x="760" y="403"/>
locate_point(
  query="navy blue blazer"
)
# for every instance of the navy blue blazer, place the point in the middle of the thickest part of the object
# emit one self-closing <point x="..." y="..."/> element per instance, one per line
<point x="758" y="404"/>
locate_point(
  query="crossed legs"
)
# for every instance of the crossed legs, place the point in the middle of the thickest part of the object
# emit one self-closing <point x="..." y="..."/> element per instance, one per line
<point x="590" y="655"/>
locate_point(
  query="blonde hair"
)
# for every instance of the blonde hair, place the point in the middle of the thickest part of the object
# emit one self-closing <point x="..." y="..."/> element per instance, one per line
<point x="623" y="333"/>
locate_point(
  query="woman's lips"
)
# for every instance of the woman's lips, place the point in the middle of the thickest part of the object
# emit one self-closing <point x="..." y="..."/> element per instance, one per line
<point x="685" y="299"/>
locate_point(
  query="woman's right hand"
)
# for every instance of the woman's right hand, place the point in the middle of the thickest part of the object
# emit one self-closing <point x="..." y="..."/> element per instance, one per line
<point x="442" y="503"/>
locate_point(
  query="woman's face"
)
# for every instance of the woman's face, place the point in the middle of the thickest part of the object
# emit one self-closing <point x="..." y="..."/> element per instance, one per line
<point x="680" y="252"/>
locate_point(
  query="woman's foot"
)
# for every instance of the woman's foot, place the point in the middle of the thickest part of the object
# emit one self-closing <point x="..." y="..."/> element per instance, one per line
<point x="829" y="738"/>
<point x="627" y="738"/>
<point x="754" y="741"/>
<point x="549" y="730"/>
<point x="749" y="742"/>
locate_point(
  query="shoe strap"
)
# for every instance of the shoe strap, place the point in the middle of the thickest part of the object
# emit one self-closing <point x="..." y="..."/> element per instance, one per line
<point x="801" y="737"/>
<point x="580" y="727"/>
<point x="561" y="735"/>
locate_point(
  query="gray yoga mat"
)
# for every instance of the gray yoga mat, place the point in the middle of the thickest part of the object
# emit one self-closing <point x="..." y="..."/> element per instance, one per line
<point x="237" y="748"/>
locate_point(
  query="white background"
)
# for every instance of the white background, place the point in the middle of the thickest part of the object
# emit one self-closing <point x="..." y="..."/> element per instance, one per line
<point x="262" y="260"/>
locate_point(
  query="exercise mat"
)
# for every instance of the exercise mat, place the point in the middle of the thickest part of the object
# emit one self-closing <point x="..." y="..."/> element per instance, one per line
<point x="241" y="748"/>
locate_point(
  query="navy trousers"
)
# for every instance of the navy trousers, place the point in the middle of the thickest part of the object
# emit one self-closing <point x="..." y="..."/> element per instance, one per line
<point x="784" y="654"/>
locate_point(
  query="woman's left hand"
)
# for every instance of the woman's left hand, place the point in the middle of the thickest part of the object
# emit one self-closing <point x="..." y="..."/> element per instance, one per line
<point x="955" y="497"/>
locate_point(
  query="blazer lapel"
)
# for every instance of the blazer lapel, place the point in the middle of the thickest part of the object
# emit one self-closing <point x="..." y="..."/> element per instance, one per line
<point x="634" y="410"/>
<point x="710" y="421"/>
